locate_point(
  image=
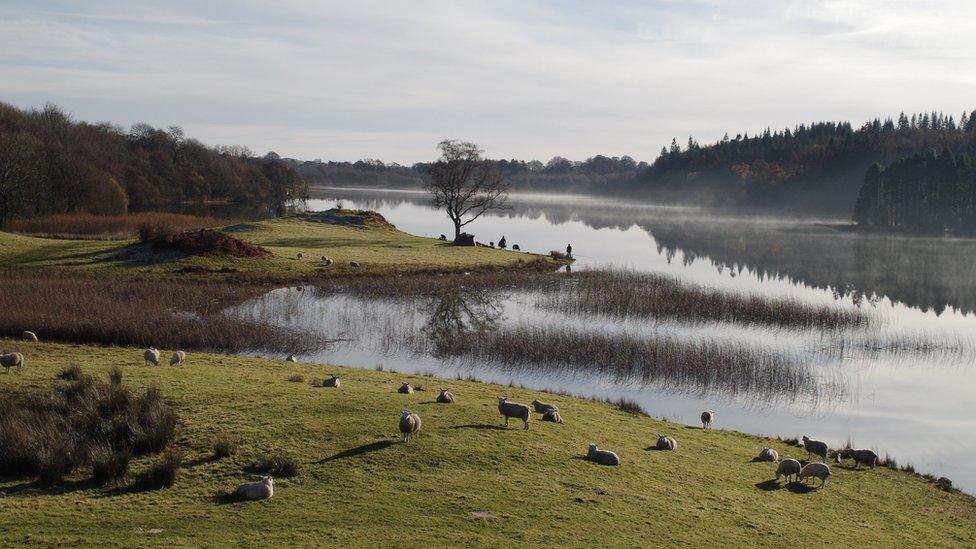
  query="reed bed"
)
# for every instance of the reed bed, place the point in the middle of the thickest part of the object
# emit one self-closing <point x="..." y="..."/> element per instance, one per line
<point x="631" y="294"/>
<point x="85" y="226"/>
<point x="137" y="313"/>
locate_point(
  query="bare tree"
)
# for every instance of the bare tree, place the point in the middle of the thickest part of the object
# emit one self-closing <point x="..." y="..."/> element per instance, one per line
<point x="18" y="172"/>
<point x="465" y="185"/>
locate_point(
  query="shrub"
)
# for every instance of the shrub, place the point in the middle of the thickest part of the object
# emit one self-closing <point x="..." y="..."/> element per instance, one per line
<point x="224" y="447"/>
<point x="276" y="463"/>
<point x="629" y="406"/>
<point x="115" y="375"/>
<point x="162" y="473"/>
<point x="296" y="378"/>
<point x="109" y="465"/>
<point x="203" y="242"/>
<point x="71" y="373"/>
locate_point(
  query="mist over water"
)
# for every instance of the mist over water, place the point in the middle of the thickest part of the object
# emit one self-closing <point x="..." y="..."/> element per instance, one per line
<point x="900" y="384"/>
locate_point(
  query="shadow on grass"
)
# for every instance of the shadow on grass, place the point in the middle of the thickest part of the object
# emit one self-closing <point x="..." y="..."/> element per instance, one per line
<point x="359" y="450"/>
<point x="769" y="485"/>
<point x="33" y="487"/>
<point x="800" y="488"/>
<point x="202" y="460"/>
<point x="491" y="426"/>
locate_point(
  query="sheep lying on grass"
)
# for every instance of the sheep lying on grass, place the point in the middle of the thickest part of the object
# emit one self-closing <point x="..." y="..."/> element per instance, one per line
<point x="445" y="397"/>
<point x="11" y="360"/>
<point x="152" y="356"/>
<point x="707" y="418"/>
<point x="409" y="425"/>
<point x="666" y="443"/>
<point x="603" y="457"/>
<point x="327" y="260"/>
<point x="177" y="359"/>
<point x="553" y="416"/>
<point x="29" y="336"/>
<point x="513" y="409"/>
<point x="542" y="407"/>
<point x="291" y="358"/>
<point x="815" y="447"/>
<point x="768" y="454"/>
<point x="262" y="489"/>
<point x="332" y="381"/>
<point x="789" y="467"/>
<point x="405" y="389"/>
<point x="865" y="456"/>
<point x="818" y="470"/>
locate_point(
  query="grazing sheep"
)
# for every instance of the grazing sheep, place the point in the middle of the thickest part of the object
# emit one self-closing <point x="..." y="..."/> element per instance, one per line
<point x="516" y="247"/>
<point x="542" y="407"/>
<point x="262" y="489"/>
<point x="553" y="416"/>
<point x="815" y="447"/>
<point x="409" y="425"/>
<point x="327" y="260"/>
<point x="666" y="443"/>
<point x="768" y="454"/>
<point x="332" y="381"/>
<point x="442" y="237"/>
<point x="446" y="397"/>
<point x="603" y="457"/>
<point x="789" y="468"/>
<point x="301" y="255"/>
<point x="354" y="264"/>
<point x="177" y="359"/>
<point x="10" y="360"/>
<point x="707" y="418"/>
<point x="152" y="356"/>
<point x="513" y="409"/>
<point x="405" y="389"/>
<point x="818" y="470"/>
<point x="865" y="456"/>
<point x="29" y="336"/>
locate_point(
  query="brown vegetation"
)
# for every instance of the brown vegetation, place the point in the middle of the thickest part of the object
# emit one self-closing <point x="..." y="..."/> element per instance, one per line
<point x="206" y="242"/>
<point x="108" y="227"/>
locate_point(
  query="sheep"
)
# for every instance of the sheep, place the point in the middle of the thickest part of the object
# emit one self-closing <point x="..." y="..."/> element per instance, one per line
<point x="405" y="389"/>
<point x="789" y="468"/>
<point x="327" y="260"/>
<point x="291" y="358"/>
<point x="409" y="425"/>
<point x="542" y="407"/>
<point x="815" y="447"/>
<point x="865" y="456"/>
<point x="10" y="360"/>
<point x="354" y="264"/>
<point x="332" y="382"/>
<point x="262" y="489"/>
<point x="768" y="454"/>
<point x="516" y="247"/>
<point x="442" y="238"/>
<point x="513" y="409"/>
<point x="553" y="416"/>
<point x="666" y="443"/>
<point x="707" y="418"/>
<point x="29" y="336"/>
<point x="446" y="397"/>
<point x="301" y="255"/>
<point x="818" y="470"/>
<point x="603" y="457"/>
<point x="177" y="359"/>
<point x="152" y="356"/>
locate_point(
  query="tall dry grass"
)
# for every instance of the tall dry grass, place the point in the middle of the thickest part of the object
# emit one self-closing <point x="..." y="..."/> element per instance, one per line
<point x="109" y="227"/>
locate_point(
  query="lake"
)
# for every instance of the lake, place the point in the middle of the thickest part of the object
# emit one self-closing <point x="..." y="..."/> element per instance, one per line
<point x="901" y="385"/>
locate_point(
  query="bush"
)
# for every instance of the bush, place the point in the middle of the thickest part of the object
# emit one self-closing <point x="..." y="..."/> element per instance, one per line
<point x="276" y="463"/>
<point x="202" y="242"/>
<point x="71" y="373"/>
<point x="115" y="375"/>
<point x="296" y="378"/>
<point x="224" y="447"/>
<point x="162" y="473"/>
<point x="109" y="465"/>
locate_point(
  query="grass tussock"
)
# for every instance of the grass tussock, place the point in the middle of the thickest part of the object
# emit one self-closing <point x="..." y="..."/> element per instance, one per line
<point x="629" y="406"/>
<point x="296" y="378"/>
<point x="156" y="313"/>
<point x="162" y="473"/>
<point x="276" y="463"/>
<point x="108" y="227"/>
<point x="224" y="447"/>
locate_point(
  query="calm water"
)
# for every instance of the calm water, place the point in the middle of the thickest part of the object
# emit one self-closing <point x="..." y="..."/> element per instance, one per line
<point x="909" y="402"/>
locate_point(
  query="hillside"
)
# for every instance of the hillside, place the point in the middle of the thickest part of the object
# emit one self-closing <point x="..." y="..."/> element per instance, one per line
<point x="464" y="481"/>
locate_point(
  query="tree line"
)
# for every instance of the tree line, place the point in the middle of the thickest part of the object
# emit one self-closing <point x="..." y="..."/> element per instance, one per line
<point x="50" y="163"/>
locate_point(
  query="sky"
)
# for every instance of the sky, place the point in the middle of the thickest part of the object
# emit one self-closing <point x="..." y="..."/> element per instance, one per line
<point x="527" y="79"/>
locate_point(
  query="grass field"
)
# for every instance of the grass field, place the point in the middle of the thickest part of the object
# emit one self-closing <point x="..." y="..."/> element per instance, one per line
<point x="344" y="236"/>
<point x="464" y="481"/>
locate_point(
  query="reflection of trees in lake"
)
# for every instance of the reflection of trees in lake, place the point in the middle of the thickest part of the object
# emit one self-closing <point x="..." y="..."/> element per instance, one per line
<point x="459" y="312"/>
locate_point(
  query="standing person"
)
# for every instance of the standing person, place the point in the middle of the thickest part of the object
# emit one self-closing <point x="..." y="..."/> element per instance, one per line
<point x="569" y="250"/>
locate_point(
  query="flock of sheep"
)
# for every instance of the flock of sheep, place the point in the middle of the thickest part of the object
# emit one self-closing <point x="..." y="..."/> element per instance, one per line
<point x="327" y="261"/>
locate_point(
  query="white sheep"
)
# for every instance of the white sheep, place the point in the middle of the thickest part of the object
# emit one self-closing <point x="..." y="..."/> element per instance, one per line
<point x="409" y="425"/>
<point x="262" y="489"/>
<point x="789" y="468"/>
<point x="603" y="457"/>
<point x="327" y="260"/>
<point x="542" y="407"/>
<point x="553" y="416"/>
<point x="29" y="336"/>
<point x="865" y="456"/>
<point x="513" y="409"/>
<point x="818" y="470"/>
<point x="405" y="389"/>
<point x="707" y="418"/>
<point x="332" y="382"/>
<point x="178" y="358"/>
<point x="445" y="397"/>
<point x="815" y="447"/>
<point x="11" y="360"/>
<point x="291" y="358"/>
<point x="152" y="356"/>
<point x="666" y="443"/>
<point x="768" y="454"/>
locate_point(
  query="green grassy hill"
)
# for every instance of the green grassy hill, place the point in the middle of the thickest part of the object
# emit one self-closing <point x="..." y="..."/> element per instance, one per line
<point x="464" y="481"/>
<point x="344" y="236"/>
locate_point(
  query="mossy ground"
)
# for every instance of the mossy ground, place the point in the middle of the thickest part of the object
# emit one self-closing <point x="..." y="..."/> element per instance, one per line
<point x="464" y="481"/>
